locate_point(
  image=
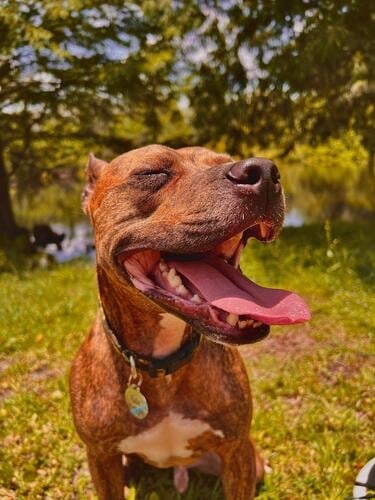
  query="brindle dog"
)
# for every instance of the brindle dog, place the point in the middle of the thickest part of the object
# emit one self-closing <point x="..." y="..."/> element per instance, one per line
<point x="170" y="226"/>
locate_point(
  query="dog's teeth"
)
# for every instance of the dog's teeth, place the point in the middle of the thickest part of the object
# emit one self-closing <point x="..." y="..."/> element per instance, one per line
<point x="163" y="266"/>
<point x="245" y="323"/>
<point x="172" y="272"/>
<point x="256" y="323"/>
<point x="181" y="290"/>
<point x="232" y="319"/>
<point x="173" y="278"/>
<point x="196" y="299"/>
<point x="175" y="281"/>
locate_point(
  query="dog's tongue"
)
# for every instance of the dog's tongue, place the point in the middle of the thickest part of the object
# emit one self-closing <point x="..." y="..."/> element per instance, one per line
<point x="226" y="288"/>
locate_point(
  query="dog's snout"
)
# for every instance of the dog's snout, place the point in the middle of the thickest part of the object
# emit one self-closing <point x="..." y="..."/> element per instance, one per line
<point x="254" y="172"/>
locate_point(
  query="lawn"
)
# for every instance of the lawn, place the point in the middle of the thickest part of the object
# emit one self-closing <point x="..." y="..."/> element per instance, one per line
<point x="313" y="385"/>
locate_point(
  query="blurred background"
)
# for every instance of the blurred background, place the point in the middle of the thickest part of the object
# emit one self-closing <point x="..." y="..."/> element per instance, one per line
<point x="293" y="81"/>
<point x="290" y="80"/>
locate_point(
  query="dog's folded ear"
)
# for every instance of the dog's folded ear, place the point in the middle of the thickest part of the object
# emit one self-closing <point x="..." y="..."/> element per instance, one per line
<point x="94" y="170"/>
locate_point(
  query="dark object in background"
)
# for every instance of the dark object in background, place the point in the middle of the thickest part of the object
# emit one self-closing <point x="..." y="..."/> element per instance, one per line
<point x="44" y="235"/>
<point x="90" y="247"/>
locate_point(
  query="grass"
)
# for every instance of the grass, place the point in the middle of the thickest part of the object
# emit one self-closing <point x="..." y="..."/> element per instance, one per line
<point x="311" y="384"/>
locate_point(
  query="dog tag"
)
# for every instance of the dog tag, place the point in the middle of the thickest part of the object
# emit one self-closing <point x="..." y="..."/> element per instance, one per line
<point x="136" y="402"/>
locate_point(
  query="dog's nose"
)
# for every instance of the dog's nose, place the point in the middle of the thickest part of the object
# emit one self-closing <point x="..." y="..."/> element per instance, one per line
<point x="255" y="172"/>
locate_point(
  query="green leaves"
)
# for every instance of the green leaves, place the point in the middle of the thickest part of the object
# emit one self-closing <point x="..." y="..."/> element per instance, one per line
<point x="73" y="75"/>
<point x="113" y="76"/>
<point x="330" y="180"/>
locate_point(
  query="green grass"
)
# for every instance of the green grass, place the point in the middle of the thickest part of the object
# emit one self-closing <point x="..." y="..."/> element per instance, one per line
<point x="311" y="384"/>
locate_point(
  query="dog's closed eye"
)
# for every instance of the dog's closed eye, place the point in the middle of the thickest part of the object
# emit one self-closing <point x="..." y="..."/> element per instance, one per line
<point x="151" y="172"/>
<point x="151" y="178"/>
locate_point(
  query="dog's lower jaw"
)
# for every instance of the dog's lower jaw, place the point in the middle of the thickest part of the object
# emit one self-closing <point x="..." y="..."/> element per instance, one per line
<point x="134" y="318"/>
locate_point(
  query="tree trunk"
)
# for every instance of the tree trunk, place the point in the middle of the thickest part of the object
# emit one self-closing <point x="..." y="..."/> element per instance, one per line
<point x="8" y="226"/>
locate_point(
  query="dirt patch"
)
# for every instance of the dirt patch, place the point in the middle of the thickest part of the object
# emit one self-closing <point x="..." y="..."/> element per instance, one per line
<point x="43" y="372"/>
<point x="7" y="494"/>
<point x="339" y="369"/>
<point x="283" y="346"/>
<point x="33" y="379"/>
<point x="5" y="363"/>
<point x="39" y="375"/>
<point x="5" y="393"/>
<point x="5" y="387"/>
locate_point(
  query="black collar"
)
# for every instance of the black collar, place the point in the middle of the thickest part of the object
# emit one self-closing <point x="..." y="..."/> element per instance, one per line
<point x="155" y="367"/>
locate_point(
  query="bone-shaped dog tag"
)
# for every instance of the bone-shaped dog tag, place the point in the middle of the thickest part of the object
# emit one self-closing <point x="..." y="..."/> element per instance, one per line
<point x="136" y="402"/>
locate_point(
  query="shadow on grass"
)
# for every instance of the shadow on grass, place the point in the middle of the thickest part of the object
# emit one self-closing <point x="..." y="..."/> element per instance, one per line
<point x="157" y="484"/>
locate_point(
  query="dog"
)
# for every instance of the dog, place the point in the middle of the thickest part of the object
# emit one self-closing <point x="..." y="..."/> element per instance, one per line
<point x="44" y="235"/>
<point x="159" y="379"/>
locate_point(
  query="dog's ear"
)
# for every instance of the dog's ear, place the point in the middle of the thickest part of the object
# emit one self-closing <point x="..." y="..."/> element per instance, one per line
<point x="94" y="170"/>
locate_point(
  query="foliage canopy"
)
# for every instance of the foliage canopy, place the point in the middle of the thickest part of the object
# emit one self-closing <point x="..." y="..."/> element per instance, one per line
<point x="235" y="75"/>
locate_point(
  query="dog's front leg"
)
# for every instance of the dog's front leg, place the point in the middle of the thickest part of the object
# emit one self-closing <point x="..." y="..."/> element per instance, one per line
<point x="238" y="471"/>
<point x="108" y="476"/>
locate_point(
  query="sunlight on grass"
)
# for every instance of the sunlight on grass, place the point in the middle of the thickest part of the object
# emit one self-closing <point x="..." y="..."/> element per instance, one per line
<point x="311" y="384"/>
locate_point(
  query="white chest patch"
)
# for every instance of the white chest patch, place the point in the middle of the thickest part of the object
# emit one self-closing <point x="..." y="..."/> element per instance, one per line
<point x="168" y="439"/>
<point x="170" y="335"/>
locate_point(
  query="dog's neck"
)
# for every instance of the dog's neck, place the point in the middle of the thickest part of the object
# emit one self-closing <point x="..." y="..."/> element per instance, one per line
<point x="139" y="325"/>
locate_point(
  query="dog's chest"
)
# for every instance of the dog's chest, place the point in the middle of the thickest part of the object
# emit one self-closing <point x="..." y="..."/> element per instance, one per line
<point x="168" y="440"/>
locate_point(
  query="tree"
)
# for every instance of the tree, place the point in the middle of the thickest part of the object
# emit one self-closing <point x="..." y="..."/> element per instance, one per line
<point x="278" y="73"/>
<point x="237" y="75"/>
<point x="325" y="181"/>
<point x="75" y="75"/>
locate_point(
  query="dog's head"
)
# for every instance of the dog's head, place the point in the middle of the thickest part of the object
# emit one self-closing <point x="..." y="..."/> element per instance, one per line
<point x="173" y="223"/>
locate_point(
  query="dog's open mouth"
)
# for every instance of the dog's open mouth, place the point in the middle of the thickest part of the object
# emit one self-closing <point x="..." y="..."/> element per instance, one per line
<point x="210" y="292"/>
